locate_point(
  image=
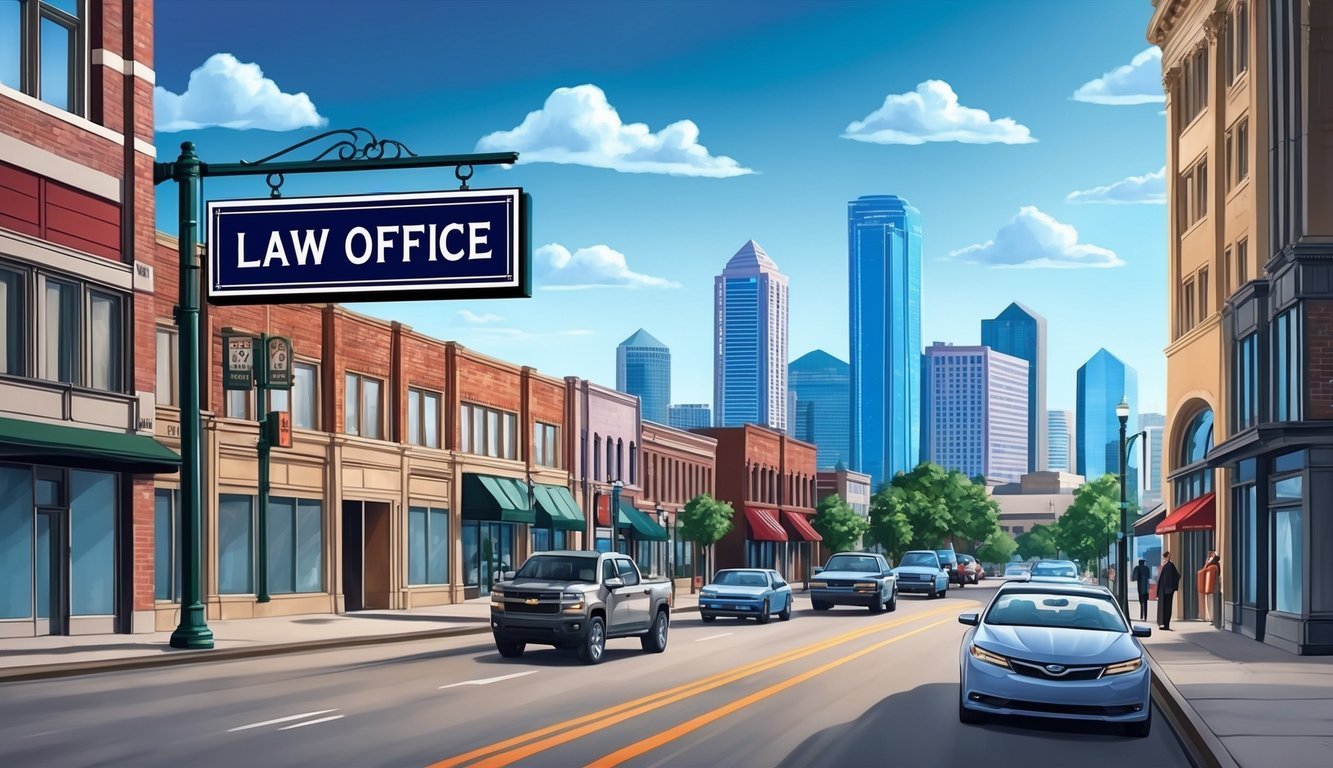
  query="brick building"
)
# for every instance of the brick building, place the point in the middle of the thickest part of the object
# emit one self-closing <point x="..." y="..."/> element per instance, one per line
<point x="677" y="466"/>
<point x="77" y="268"/>
<point x="769" y="479"/>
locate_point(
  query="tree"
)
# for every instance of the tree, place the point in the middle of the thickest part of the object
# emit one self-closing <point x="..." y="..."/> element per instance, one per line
<point x="930" y="507"/>
<point x="1086" y="530"/>
<point x="998" y="548"/>
<point x="839" y="524"/>
<point x="888" y="521"/>
<point x="1038" y="542"/>
<point x="704" y="521"/>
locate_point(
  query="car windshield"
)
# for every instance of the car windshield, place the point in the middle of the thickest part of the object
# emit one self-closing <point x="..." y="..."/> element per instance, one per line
<point x="861" y="563"/>
<point x="921" y="560"/>
<point x="741" y="579"/>
<point x="1028" y="609"/>
<point x="946" y="555"/>
<point x="1055" y="569"/>
<point x="559" y="568"/>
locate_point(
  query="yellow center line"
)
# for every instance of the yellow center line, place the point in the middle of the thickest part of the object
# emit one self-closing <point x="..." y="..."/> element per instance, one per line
<point x="593" y="721"/>
<point x="671" y="734"/>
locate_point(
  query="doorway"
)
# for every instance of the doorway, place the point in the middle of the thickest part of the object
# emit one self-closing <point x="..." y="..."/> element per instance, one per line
<point x="488" y="549"/>
<point x="52" y="572"/>
<point x="366" y="549"/>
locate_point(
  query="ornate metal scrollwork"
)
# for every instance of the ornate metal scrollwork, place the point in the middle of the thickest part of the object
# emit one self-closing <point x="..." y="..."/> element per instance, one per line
<point x="354" y="144"/>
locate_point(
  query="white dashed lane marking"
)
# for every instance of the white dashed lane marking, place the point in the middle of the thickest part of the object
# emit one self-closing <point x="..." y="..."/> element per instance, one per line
<point x="277" y="720"/>
<point x="489" y="680"/>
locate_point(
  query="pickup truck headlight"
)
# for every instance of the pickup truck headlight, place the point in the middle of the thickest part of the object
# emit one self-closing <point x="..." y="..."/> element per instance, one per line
<point x="708" y="593"/>
<point x="1124" y="667"/>
<point x="571" y="601"/>
<point x="497" y="601"/>
<point x="865" y="586"/>
<point x="981" y="654"/>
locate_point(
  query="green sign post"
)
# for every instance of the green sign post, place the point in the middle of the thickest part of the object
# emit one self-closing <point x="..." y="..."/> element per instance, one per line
<point x="351" y="153"/>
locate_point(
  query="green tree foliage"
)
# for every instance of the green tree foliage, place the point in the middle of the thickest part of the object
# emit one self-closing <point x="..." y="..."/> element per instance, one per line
<point x="1038" y="542"/>
<point x="1085" y="530"/>
<point x="998" y="548"/>
<point x="839" y="524"/>
<point x="888" y="521"/>
<point x="930" y="507"/>
<point x="704" y="521"/>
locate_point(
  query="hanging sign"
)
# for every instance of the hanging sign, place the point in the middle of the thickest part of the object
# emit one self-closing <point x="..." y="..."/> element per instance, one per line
<point x="238" y="361"/>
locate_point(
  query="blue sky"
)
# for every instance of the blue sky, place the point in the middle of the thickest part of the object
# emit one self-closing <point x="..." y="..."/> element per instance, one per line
<point x="762" y="120"/>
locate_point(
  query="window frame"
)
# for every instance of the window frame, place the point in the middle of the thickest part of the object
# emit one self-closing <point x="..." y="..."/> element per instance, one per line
<point x="172" y="374"/>
<point x="420" y="423"/>
<point x="359" y="430"/>
<point x="19" y="322"/>
<point x="36" y="333"/>
<point x="430" y="512"/>
<point x="482" y="427"/>
<point x="546" y="444"/>
<point x="32" y="17"/>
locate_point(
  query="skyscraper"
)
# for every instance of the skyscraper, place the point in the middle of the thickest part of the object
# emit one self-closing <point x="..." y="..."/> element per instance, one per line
<point x="690" y="416"/>
<point x="822" y="385"/>
<point x="1102" y="382"/>
<point x="1021" y="333"/>
<point x="643" y="368"/>
<point x="1060" y="441"/>
<point x="977" y="422"/>
<point x="750" y="341"/>
<point x="884" y="270"/>
<point x="1150" y="484"/>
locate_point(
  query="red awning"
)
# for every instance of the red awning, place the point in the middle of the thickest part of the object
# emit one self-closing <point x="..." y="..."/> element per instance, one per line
<point x="764" y="524"/>
<point x="1197" y="515"/>
<point x="801" y="525"/>
<point x="604" y="513"/>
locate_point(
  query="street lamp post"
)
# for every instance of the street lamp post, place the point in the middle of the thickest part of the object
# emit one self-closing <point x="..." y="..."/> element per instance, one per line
<point x="1122" y="554"/>
<point x="615" y="512"/>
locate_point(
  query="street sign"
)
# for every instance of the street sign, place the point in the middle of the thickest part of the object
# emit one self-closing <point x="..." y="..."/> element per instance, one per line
<point x="411" y="246"/>
<point x="238" y="361"/>
<point x="279" y="362"/>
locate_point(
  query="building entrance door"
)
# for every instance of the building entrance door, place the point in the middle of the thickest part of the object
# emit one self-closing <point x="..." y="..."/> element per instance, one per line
<point x="52" y="572"/>
<point x="493" y="553"/>
<point x="366" y="546"/>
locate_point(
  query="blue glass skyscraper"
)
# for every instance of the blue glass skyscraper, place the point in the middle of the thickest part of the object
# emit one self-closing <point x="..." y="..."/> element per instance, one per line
<point x="884" y="270"/>
<point x="643" y="369"/>
<point x="1020" y="332"/>
<point x="823" y="387"/>
<point x="1102" y="381"/>
<point x="750" y="341"/>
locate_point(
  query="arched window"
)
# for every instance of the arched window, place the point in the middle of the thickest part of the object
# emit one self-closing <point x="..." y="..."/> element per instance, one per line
<point x="596" y="457"/>
<point x="1196" y="441"/>
<point x="633" y="468"/>
<point x="620" y="460"/>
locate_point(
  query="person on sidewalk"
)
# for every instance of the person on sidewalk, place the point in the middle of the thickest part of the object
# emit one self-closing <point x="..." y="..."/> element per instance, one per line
<point x="1142" y="575"/>
<point x="1168" y="581"/>
<point x="1207" y="585"/>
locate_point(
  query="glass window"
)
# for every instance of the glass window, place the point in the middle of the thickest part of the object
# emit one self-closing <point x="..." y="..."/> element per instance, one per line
<point x="281" y="546"/>
<point x="106" y="342"/>
<point x="1251" y="544"/>
<point x="492" y="433"/>
<point x="1289" y="462"/>
<point x="16" y="532"/>
<point x="510" y="436"/>
<point x="423" y="418"/>
<point x="465" y="429"/>
<point x="427" y="546"/>
<point x="238" y="403"/>
<point x="1288" y="541"/>
<point x="1287" y="357"/>
<point x="167" y="374"/>
<point x="92" y="544"/>
<point x="471" y="556"/>
<point x="352" y="404"/>
<point x="1288" y="489"/>
<point x="545" y="445"/>
<point x="371" y="424"/>
<point x="235" y="544"/>
<point x="1243" y="150"/>
<point x="309" y="545"/>
<point x="11" y="295"/>
<point x="166" y="529"/>
<point x="413" y="417"/>
<point x="304" y="399"/>
<point x="60" y="338"/>
<point x="431" y="414"/>
<point x="58" y="46"/>
<point x="11" y="45"/>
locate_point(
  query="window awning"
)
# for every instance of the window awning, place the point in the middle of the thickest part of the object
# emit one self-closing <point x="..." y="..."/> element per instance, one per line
<point x="764" y="524"/>
<point x="557" y="509"/>
<point x="1197" y="515"/>
<point x="800" y="525"/>
<point x="628" y="516"/>
<point x="84" y="448"/>
<point x="1147" y="523"/>
<point x="504" y="499"/>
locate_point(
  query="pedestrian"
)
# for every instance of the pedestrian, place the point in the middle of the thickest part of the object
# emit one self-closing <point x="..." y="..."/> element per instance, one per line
<point x="1207" y="585"/>
<point x="1168" y="581"/>
<point x="1142" y="575"/>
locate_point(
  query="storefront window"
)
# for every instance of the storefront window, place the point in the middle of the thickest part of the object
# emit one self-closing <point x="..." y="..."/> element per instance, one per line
<point x="471" y="558"/>
<point x="15" y="542"/>
<point x="1288" y="542"/>
<point x="545" y="540"/>
<point x="427" y="546"/>
<point x="295" y="546"/>
<point x="92" y="513"/>
<point x="166" y="527"/>
<point x="235" y="544"/>
<point x="1252" y="545"/>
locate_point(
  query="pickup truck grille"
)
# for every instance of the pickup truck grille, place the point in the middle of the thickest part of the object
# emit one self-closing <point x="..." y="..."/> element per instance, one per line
<point x="532" y="602"/>
<point x="840" y="583"/>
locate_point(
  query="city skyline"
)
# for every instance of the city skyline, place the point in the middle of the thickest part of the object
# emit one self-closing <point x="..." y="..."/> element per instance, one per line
<point x="1021" y="332"/>
<point x="750" y="341"/>
<point x="643" y="369"/>
<point x="821" y="384"/>
<point x="1103" y="382"/>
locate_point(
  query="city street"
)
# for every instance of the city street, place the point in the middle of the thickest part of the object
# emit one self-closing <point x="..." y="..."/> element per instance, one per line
<point x="840" y="688"/>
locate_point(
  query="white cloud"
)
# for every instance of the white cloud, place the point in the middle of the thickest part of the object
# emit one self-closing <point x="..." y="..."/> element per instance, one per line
<point x="597" y="266"/>
<point x="226" y="93"/>
<point x="472" y="317"/>
<point x="1149" y="188"/>
<point x="577" y="126"/>
<point x="1033" y="239"/>
<point x="1138" y="82"/>
<point x="932" y="113"/>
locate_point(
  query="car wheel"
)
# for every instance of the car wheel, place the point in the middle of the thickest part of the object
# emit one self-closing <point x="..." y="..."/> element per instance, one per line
<point x="593" y="646"/>
<point x="509" y="649"/>
<point x="893" y="601"/>
<point x="878" y="605"/>
<point x="656" y="639"/>
<point x="764" y="615"/>
<point x="708" y="618"/>
<point x="968" y="716"/>
<point x="785" y="614"/>
<point x="820" y="605"/>
<point x="1140" y="730"/>
<point x="934" y="593"/>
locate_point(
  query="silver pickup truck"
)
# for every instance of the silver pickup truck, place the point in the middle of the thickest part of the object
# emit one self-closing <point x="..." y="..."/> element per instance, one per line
<point x="577" y="599"/>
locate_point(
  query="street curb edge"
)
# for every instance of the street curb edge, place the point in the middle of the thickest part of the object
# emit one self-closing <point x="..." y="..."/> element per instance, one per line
<point x="1205" y="749"/>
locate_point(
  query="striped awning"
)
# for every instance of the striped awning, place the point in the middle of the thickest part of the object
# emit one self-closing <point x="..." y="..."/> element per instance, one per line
<point x="764" y="524"/>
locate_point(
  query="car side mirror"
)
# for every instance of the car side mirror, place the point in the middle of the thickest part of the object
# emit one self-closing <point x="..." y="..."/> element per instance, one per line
<point x="819" y="569"/>
<point x="615" y="582"/>
<point x="508" y="575"/>
<point x="1139" y="630"/>
<point x="970" y="619"/>
<point x="888" y="572"/>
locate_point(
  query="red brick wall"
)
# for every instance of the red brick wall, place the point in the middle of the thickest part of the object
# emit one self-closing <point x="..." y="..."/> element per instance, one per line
<point x="360" y="345"/>
<point x="1319" y="359"/>
<point x="420" y="363"/>
<point x="141" y="494"/>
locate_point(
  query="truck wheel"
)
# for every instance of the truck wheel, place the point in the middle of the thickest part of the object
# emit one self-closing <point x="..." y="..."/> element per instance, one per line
<point x="878" y="605"/>
<point x="594" y="642"/>
<point x="893" y="601"/>
<point x="509" y="649"/>
<point x="656" y="639"/>
<point x="764" y="615"/>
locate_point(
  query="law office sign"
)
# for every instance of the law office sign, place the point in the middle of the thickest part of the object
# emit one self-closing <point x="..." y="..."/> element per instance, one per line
<point x="463" y="244"/>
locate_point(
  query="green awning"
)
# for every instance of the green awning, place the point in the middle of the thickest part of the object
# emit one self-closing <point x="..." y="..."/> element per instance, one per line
<point x="42" y="443"/>
<point x="503" y="499"/>
<point x="557" y="509"/>
<point x="643" y="527"/>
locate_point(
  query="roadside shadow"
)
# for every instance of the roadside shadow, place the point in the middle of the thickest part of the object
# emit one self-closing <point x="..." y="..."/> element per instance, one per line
<point x="434" y="619"/>
<point x="156" y="647"/>
<point x="546" y="656"/>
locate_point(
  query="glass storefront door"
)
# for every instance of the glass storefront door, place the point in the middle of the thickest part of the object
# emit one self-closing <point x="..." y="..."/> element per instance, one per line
<point x="488" y="551"/>
<point x="51" y="567"/>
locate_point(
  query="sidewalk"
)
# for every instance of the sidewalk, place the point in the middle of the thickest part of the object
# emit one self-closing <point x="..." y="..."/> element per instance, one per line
<point x="1243" y="703"/>
<point x="30" y="658"/>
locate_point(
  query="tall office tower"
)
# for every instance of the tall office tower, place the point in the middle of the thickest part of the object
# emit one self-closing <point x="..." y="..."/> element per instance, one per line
<point x="1021" y="333"/>
<point x="884" y="270"/>
<point x="750" y="341"/>
<point x="977" y="422"/>
<point x="1102" y="382"/>
<point x="823" y="387"/>
<point x="690" y="416"/>
<point x="1060" y="441"/>
<point x="643" y="368"/>
<point x="1150" y="482"/>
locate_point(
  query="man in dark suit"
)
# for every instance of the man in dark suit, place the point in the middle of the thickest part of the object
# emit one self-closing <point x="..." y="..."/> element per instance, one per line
<point x="1142" y="576"/>
<point x="1168" y="581"/>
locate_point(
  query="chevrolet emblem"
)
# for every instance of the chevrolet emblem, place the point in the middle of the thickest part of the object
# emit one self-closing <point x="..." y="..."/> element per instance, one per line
<point x="531" y="601"/>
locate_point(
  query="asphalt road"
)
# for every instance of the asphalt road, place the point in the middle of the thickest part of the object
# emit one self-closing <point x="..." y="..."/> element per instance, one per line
<point x="845" y="688"/>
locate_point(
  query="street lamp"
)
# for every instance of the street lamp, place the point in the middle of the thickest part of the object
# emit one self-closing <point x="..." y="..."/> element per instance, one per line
<point x="616" y="485"/>
<point x="666" y="546"/>
<point x="1122" y="553"/>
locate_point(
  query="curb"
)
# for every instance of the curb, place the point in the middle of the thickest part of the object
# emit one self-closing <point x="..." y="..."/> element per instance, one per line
<point x="176" y="657"/>
<point x="1204" y="748"/>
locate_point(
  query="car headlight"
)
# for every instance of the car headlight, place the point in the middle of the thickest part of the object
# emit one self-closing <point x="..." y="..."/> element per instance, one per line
<point x="817" y="585"/>
<point x="571" y="601"/>
<point x="1123" y="667"/>
<point x="497" y="601"/>
<point x="864" y="585"/>
<point x="981" y="654"/>
<point x="708" y="593"/>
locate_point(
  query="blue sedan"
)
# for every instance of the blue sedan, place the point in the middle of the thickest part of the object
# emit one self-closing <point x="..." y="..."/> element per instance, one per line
<point x="746" y="593"/>
<point x="1053" y="650"/>
<point x="921" y="571"/>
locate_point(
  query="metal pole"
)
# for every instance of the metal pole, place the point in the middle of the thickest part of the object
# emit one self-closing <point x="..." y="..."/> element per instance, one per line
<point x="193" y="631"/>
<point x="1122" y="553"/>
<point x="615" y="511"/>
<point x="260" y="363"/>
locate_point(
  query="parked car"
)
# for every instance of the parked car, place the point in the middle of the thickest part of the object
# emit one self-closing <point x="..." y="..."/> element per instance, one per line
<point x="1017" y="570"/>
<point x="920" y="571"/>
<point x="1054" y="570"/>
<point x="971" y="569"/>
<point x="746" y="593"/>
<point x="949" y="559"/>
<point x="855" y="578"/>
<point x="575" y="599"/>
<point x="1052" y="650"/>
